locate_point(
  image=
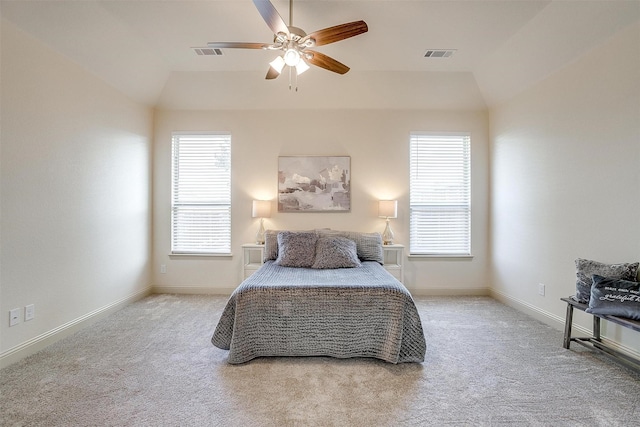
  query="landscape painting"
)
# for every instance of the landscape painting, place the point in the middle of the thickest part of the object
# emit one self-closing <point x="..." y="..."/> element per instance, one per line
<point x="314" y="184"/>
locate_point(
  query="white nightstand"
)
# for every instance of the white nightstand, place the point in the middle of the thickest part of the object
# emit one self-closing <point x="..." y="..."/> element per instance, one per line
<point x="394" y="260"/>
<point x="252" y="258"/>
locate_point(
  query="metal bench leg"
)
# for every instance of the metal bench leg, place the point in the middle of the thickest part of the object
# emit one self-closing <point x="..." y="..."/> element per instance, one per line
<point x="596" y="328"/>
<point x="567" y="326"/>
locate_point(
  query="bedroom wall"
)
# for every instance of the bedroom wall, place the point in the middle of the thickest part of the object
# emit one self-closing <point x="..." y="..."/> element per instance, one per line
<point x="376" y="140"/>
<point x="75" y="190"/>
<point x="565" y="179"/>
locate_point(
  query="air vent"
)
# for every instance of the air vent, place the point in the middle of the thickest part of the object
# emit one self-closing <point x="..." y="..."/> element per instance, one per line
<point x="439" y="53"/>
<point x="207" y="51"/>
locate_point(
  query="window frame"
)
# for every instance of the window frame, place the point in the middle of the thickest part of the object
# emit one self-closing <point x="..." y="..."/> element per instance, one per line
<point x="178" y="248"/>
<point x="456" y="243"/>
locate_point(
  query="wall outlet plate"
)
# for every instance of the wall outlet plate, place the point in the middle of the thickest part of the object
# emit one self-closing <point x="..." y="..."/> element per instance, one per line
<point x="541" y="289"/>
<point x="14" y="316"/>
<point x="29" y="312"/>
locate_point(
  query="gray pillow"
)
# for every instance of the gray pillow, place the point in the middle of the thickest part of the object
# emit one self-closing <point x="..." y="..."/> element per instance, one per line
<point x="368" y="245"/>
<point x="616" y="297"/>
<point x="271" y="245"/>
<point x="296" y="249"/>
<point x="586" y="268"/>
<point x="336" y="252"/>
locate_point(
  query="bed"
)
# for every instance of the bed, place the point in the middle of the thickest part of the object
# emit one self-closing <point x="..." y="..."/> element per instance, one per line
<point x="299" y="304"/>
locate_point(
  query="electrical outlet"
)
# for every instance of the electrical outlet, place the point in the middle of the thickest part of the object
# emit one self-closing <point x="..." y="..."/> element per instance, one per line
<point x="14" y="316"/>
<point x="541" y="289"/>
<point x="29" y="312"/>
<point x="163" y="268"/>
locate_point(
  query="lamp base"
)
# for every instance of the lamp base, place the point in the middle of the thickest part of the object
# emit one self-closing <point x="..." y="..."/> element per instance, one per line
<point x="387" y="235"/>
<point x="260" y="233"/>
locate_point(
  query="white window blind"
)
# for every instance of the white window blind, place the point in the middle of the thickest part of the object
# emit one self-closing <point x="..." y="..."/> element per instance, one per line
<point x="440" y="194"/>
<point x="201" y="194"/>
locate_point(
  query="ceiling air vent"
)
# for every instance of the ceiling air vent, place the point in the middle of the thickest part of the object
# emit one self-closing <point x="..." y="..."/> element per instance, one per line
<point x="439" y="53"/>
<point x="207" y="51"/>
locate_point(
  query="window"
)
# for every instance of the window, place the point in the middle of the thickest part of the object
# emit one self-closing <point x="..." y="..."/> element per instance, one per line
<point x="201" y="194"/>
<point x="440" y="194"/>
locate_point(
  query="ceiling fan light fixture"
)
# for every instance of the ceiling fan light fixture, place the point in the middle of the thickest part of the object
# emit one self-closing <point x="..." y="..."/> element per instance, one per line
<point x="292" y="57"/>
<point x="302" y="67"/>
<point x="291" y="42"/>
<point x="277" y="64"/>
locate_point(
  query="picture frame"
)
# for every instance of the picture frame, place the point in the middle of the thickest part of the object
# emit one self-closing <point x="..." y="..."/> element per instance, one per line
<point x="314" y="184"/>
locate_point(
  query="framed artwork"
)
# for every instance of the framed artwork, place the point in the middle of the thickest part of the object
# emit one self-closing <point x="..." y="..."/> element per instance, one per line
<point x="314" y="184"/>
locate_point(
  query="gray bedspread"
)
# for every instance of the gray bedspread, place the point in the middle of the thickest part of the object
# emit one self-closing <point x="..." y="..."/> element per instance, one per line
<point x="347" y="312"/>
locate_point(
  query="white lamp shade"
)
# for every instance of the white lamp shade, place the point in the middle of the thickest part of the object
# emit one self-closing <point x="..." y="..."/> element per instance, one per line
<point x="388" y="208"/>
<point x="261" y="209"/>
<point x="301" y="67"/>
<point x="277" y="64"/>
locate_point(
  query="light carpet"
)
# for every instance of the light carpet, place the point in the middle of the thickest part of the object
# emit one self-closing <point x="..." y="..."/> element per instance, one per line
<point x="152" y="364"/>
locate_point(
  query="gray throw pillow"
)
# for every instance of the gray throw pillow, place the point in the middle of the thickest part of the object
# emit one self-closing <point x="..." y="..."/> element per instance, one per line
<point x="615" y="297"/>
<point x="586" y="268"/>
<point x="336" y="252"/>
<point x="271" y="245"/>
<point x="296" y="249"/>
<point x="368" y="245"/>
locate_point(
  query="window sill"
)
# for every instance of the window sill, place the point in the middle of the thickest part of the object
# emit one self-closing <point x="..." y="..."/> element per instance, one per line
<point x="186" y="255"/>
<point x="443" y="256"/>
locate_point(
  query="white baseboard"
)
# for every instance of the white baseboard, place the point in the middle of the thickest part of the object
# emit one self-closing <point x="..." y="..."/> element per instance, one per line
<point x="38" y="343"/>
<point x="191" y="290"/>
<point x="557" y="322"/>
<point x="445" y="292"/>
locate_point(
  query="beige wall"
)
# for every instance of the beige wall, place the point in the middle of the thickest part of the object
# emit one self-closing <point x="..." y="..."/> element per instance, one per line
<point x="75" y="212"/>
<point x="566" y="178"/>
<point x="377" y="142"/>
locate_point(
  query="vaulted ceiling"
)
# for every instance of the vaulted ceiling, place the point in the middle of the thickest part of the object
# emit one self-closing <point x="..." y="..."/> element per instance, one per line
<point x="143" y="48"/>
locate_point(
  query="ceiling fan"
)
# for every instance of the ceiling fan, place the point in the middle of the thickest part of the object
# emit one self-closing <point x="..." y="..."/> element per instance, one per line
<point x="295" y="44"/>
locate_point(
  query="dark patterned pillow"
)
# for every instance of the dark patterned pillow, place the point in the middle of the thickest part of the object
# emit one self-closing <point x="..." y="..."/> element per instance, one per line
<point x="586" y="268"/>
<point x="615" y="297"/>
<point x="296" y="249"/>
<point x="336" y="252"/>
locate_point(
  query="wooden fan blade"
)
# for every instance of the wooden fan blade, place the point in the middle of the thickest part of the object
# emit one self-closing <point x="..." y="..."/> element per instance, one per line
<point x="237" y="45"/>
<point x="271" y="16"/>
<point x="323" y="61"/>
<point x="339" y="32"/>
<point x="272" y="74"/>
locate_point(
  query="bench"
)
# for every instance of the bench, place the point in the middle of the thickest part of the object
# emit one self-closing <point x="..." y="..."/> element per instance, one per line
<point x="595" y="342"/>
